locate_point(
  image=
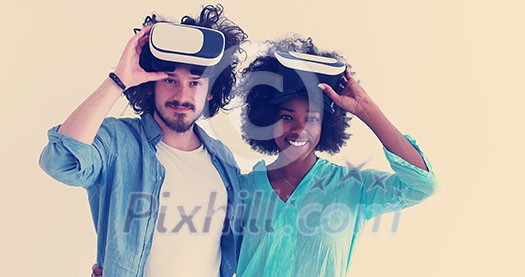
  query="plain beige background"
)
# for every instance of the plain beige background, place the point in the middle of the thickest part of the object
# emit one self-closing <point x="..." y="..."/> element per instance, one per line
<point x="448" y="72"/>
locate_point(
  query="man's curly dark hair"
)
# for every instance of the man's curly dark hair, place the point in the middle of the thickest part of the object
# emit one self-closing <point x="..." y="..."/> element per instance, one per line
<point x="141" y="98"/>
<point x="258" y="112"/>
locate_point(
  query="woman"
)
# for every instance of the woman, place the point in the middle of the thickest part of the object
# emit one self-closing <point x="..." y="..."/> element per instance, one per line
<point x="303" y="213"/>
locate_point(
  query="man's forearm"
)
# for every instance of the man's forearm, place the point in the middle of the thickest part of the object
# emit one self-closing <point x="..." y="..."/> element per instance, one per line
<point x="84" y="122"/>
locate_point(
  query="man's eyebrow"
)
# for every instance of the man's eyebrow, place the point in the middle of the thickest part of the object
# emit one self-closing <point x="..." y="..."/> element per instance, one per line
<point x="194" y="77"/>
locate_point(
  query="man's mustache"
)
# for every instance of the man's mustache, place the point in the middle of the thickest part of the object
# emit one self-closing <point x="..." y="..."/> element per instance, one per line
<point x="176" y="104"/>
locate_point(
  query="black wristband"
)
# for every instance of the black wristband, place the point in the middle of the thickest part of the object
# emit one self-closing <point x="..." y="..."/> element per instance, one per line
<point x="117" y="80"/>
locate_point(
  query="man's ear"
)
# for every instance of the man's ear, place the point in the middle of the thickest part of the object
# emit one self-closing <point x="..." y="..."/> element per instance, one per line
<point x="151" y="92"/>
<point x="209" y="97"/>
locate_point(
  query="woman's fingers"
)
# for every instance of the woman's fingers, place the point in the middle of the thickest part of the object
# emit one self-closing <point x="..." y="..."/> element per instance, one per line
<point x="330" y="91"/>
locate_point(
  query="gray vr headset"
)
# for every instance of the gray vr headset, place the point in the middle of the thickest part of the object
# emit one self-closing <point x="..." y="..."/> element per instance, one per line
<point x="303" y="72"/>
<point x="172" y="44"/>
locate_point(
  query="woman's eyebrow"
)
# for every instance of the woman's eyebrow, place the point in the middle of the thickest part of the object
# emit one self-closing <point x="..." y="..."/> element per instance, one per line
<point x="287" y="109"/>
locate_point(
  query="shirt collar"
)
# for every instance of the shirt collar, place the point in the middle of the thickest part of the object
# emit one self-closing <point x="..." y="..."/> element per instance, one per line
<point x="209" y="142"/>
<point x="151" y="128"/>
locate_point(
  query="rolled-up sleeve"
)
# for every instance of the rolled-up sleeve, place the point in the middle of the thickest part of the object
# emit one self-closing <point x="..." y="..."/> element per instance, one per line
<point x="73" y="162"/>
<point x="409" y="185"/>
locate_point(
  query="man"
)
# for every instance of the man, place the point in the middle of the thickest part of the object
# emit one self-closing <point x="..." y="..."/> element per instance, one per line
<point x="160" y="189"/>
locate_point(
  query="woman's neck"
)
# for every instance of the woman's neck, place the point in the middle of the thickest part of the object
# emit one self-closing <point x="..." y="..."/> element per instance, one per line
<point x="295" y="169"/>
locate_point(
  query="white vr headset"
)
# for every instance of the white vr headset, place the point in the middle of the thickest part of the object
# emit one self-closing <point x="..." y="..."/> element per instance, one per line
<point x="303" y="72"/>
<point x="171" y="44"/>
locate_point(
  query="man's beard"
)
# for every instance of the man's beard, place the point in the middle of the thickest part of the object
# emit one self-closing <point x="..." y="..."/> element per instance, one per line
<point x="178" y="123"/>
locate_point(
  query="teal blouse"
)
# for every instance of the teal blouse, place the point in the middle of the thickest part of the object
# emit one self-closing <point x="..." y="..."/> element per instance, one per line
<point x="314" y="232"/>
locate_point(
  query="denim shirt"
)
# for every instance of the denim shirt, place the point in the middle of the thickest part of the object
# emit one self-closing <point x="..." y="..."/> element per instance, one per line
<point x="123" y="177"/>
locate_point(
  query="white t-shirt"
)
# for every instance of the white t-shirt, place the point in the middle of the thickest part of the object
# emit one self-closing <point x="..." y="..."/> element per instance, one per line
<point x="192" y="209"/>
